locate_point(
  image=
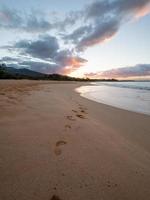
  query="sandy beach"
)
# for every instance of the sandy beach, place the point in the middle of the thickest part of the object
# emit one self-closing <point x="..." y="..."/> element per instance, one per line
<point x="56" y="145"/>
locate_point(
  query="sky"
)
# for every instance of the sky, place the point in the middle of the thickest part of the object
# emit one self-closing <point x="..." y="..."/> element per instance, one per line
<point x="82" y="38"/>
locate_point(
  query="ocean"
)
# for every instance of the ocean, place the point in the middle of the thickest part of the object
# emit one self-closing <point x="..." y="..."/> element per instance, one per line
<point x="132" y="96"/>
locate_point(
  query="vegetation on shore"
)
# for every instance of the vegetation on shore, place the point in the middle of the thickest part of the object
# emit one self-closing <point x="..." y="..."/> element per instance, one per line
<point x="23" y="73"/>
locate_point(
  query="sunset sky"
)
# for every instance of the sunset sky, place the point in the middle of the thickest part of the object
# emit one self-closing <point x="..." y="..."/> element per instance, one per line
<point x="97" y="39"/>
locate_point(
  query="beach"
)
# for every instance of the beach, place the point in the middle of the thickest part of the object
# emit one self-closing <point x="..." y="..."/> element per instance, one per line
<point x="57" y="145"/>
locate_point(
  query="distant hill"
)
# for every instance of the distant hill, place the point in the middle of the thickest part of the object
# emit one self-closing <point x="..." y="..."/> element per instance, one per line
<point x="23" y="71"/>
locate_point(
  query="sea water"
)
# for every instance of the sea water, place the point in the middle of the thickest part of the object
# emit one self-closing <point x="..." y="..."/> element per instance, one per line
<point x="132" y="96"/>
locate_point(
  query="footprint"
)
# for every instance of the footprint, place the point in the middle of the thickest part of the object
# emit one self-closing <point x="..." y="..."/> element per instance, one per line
<point x="57" y="151"/>
<point x="60" y="142"/>
<point x="55" y="197"/>
<point x="81" y="116"/>
<point x="109" y="184"/>
<point x="12" y="97"/>
<point x="83" y="111"/>
<point x="74" y="111"/>
<point x="70" y="118"/>
<point x="67" y="126"/>
<point x="2" y="93"/>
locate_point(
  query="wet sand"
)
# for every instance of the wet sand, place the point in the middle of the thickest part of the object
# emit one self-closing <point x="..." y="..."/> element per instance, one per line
<point x="56" y="145"/>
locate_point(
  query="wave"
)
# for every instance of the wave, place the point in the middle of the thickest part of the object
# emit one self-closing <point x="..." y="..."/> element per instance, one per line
<point x="132" y="85"/>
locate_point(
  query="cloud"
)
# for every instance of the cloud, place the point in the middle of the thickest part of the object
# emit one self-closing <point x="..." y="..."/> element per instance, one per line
<point x="99" y="15"/>
<point x="65" y="65"/>
<point x="68" y="61"/>
<point x="43" y="67"/>
<point x="97" y="9"/>
<point x="100" y="33"/>
<point x="70" y="19"/>
<point x="131" y="7"/>
<point x="125" y="72"/>
<point x="117" y="8"/>
<point x="45" y="47"/>
<point x="8" y="59"/>
<point x="15" y="20"/>
<point x="36" y="21"/>
<point x="9" y="18"/>
<point x="37" y="25"/>
<point x="78" y="30"/>
<point x="103" y="19"/>
<point x="76" y="35"/>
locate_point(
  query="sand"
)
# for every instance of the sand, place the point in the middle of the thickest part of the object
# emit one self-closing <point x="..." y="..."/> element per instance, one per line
<point x="56" y="145"/>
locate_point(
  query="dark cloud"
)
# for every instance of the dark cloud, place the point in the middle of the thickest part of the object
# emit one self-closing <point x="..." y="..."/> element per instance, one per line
<point x="138" y="70"/>
<point x="68" y="61"/>
<point x="94" y="24"/>
<point x="97" y="9"/>
<point x="130" y="7"/>
<point x="9" y="19"/>
<point x="37" y="25"/>
<point x="101" y="32"/>
<point x="15" y="20"/>
<point x="93" y="16"/>
<point x="105" y="18"/>
<point x="76" y="35"/>
<point x="117" y="8"/>
<point x="70" y="20"/>
<point x="63" y="64"/>
<point x="40" y="66"/>
<point x="34" y="21"/>
<point x="8" y="59"/>
<point x="45" y="47"/>
<point x="125" y="72"/>
<point x="14" y="65"/>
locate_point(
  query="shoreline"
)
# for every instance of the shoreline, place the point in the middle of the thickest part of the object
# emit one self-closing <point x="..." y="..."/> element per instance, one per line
<point x="123" y="109"/>
<point x="54" y="142"/>
<point x="125" y="103"/>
